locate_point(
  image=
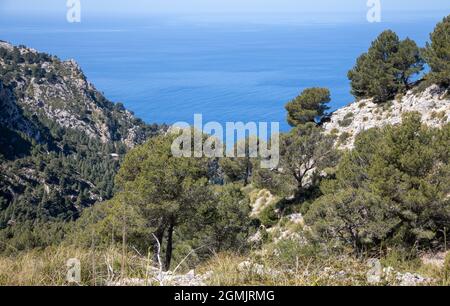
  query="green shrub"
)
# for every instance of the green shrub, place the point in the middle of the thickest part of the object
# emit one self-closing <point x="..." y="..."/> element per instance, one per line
<point x="347" y="120"/>
<point x="334" y="131"/>
<point x="344" y="137"/>
<point x="268" y="216"/>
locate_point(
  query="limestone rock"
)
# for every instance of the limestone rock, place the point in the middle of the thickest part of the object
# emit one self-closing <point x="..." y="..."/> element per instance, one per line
<point x="347" y="122"/>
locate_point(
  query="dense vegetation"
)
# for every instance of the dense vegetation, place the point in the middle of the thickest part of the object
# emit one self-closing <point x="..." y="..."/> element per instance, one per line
<point x="390" y="191"/>
<point x="165" y="202"/>
<point x="49" y="173"/>
<point x="392" y="188"/>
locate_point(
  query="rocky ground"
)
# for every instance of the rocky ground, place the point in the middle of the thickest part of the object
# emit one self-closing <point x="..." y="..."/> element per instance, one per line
<point x="168" y="278"/>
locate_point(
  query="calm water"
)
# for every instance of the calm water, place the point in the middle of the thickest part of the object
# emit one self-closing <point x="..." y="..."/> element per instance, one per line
<point x="166" y="70"/>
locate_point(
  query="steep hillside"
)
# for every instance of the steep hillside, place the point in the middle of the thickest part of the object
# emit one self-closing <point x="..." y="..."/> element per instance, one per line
<point x="347" y="122"/>
<point x="61" y="140"/>
<point x="58" y="90"/>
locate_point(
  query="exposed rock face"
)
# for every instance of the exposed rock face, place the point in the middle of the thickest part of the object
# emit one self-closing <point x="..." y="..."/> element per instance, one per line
<point x="433" y="104"/>
<point x="11" y="114"/>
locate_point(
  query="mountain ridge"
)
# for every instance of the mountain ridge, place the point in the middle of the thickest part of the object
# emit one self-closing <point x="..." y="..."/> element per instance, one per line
<point x="60" y="91"/>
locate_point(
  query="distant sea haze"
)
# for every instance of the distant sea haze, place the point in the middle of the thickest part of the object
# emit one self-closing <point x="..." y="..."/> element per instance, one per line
<point x="166" y="72"/>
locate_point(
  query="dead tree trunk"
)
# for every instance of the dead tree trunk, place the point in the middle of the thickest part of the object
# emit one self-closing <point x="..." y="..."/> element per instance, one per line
<point x="159" y="235"/>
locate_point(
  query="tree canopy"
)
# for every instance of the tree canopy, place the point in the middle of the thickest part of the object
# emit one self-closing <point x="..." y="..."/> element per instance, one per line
<point x="168" y="189"/>
<point x="304" y="153"/>
<point x="386" y="69"/>
<point x="392" y="187"/>
<point x="308" y="106"/>
<point x="437" y="53"/>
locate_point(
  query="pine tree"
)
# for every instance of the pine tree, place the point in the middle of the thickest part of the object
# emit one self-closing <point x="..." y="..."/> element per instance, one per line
<point x="308" y="106"/>
<point x="437" y="53"/>
<point x="408" y="61"/>
<point x="386" y="68"/>
<point x="168" y="189"/>
<point x="238" y="169"/>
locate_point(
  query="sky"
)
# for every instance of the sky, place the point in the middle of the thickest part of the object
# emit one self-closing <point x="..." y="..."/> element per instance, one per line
<point x="143" y="7"/>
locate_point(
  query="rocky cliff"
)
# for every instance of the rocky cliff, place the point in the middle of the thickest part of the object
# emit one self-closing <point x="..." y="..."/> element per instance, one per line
<point x="49" y="88"/>
<point x="433" y="104"/>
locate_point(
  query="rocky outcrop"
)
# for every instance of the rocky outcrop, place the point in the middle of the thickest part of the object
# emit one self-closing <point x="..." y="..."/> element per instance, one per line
<point x="435" y="259"/>
<point x="261" y="199"/>
<point x="404" y="279"/>
<point x="347" y="122"/>
<point x="11" y="115"/>
<point x="161" y="278"/>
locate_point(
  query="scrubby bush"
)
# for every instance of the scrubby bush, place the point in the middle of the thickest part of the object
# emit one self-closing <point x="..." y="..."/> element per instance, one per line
<point x="352" y="216"/>
<point x="344" y="137"/>
<point x="268" y="215"/>
<point x="347" y="120"/>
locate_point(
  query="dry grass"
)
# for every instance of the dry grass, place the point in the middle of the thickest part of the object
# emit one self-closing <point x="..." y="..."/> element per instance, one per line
<point x="48" y="267"/>
<point x="291" y="267"/>
<point x="226" y="272"/>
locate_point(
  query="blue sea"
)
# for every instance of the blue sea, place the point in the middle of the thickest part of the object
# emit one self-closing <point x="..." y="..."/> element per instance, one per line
<point x="166" y="68"/>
